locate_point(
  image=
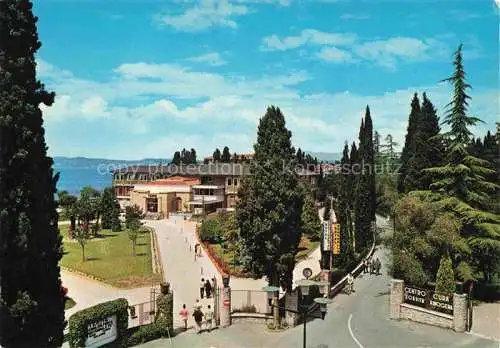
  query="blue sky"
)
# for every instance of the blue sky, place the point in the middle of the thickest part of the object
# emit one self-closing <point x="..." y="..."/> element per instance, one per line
<point x="141" y="79"/>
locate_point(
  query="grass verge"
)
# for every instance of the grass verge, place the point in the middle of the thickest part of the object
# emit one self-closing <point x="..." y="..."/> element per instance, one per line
<point x="109" y="258"/>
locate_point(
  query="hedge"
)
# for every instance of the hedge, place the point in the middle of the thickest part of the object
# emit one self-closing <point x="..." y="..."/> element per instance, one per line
<point x="79" y="321"/>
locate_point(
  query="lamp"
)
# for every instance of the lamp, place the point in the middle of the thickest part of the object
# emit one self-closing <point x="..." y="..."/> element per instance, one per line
<point x="305" y="284"/>
<point x="323" y="302"/>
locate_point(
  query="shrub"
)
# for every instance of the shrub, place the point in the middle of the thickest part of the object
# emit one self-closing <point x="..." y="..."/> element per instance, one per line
<point x="78" y="322"/>
<point x="145" y="334"/>
<point x="210" y="231"/>
<point x="445" y="279"/>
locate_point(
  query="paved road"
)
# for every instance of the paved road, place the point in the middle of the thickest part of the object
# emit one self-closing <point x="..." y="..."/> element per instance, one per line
<point x="359" y="321"/>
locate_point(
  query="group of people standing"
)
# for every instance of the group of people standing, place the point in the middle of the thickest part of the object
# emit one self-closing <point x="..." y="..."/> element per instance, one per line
<point x="198" y="316"/>
<point x="372" y="266"/>
<point x="206" y="288"/>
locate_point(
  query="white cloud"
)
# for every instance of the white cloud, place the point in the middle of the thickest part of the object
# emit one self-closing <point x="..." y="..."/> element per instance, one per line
<point x="354" y="16"/>
<point x="226" y="111"/>
<point x="388" y="52"/>
<point x="383" y="52"/>
<point x="205" y="14"/>
<point x="335" y="55"/>
<point x="212" y="58"/>
<point x="307" y="36"/>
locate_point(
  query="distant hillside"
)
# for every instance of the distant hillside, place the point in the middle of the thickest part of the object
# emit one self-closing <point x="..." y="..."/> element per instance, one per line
<point x="87" y="163"/>
<point x="326" y="156"/>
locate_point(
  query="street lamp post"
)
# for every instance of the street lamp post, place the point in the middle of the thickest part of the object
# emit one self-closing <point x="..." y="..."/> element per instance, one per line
<point x="305" y="311"/>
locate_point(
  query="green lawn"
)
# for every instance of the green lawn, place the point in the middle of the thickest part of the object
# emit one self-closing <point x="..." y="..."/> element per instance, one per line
<point x="110" y="259"/>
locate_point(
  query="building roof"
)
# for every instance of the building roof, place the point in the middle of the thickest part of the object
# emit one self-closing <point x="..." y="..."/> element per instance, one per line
<point x="198" y="170"/>
<point x="176" y="180"/>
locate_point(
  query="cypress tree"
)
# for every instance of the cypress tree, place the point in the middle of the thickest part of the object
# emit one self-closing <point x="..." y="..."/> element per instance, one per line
<point x="310" y="222"/>
<point x="365" y="205"/>
<point x="176" y="160"/>
<point x="353" y="177"/>
<point x="428" y="149"/>
<point x="344" y="211"/>
<point x="193" y="156"/>
<point x="32" y="303"/>
<point x="226" y="155"/>
<point x="110" y="210"/>
<point x="216" y="157"/>
<point x="445" y="279"/>
<point x="270" y="206"/>
<point x="409" y="146"/>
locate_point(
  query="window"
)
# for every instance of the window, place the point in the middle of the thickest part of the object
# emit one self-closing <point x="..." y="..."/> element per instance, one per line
<point x="235" y="182"/>
<point x="229" y="182"/>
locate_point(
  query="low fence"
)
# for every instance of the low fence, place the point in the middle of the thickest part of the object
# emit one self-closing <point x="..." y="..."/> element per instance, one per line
<point x="250" y="301"/>
<point x="142" y="313"/>
<point x="335" y="289"/>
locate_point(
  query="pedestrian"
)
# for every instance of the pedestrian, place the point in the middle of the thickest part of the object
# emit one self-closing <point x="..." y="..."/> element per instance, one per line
<point x="209" y="315"/>
<point x="184" y="316"/>
<point x="195" y="251"/>
<point x="370" y="266"/>
<point x="198" y="317"/>
<point x="197" y="304"/>
<point x="350" y="283"/>
<point x="208" y="288"/>
<point x="377" y="265"/>
<point x="365" y="265"/>
<point x="202" y="288"/>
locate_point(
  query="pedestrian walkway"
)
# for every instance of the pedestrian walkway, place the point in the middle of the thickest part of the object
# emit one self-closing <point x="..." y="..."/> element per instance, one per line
<point x="87" y="292"/>
<point x="486" y="320"/>
<point x="176" y="241"/>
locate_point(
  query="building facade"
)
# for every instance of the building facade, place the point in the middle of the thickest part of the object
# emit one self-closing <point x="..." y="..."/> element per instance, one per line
<point x="198" y="189"/>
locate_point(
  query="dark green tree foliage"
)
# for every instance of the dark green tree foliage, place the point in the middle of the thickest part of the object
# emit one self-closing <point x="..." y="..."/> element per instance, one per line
<point x="269" y="211"/>
<point x="354" y="169"/>
<point x="300" y="156"/>
<point x="69" y="205"/>
<point x="343" y="211"/>
<point x="409" y="147"/>
<point x="326" y="211"/>
<point x="462" y="185"/>
<point x="132" y="213"/>
<point x="310" y="222"/>
<point x="428" y="150"/>
<point x="32" y="303"/>
<point x="110" y="210"/>
<point x="445" y="280"/>
<point x="226" y="155"/>
<point x="376" y="142"/>
<point x="193" y="156"/>
<point x="216" y="155"/>
<point x="365" y="205"/>
<point x="177" y="158"/>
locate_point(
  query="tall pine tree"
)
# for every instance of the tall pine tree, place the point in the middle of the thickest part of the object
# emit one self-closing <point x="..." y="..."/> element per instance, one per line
<point x="344" y="211"/>
<point x="270" y="206"/>
<point x="226" y="155"/>
<point x="428" y="149"/>
<point x="32" y="303"/>
<point x="461" y="182"/>
<point x="409" y="146"/>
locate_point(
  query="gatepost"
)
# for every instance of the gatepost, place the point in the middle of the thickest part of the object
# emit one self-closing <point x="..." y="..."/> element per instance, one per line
<point x="459" y="312"/>
<point x="225" y="313"/>
<point x="396" y="298"/>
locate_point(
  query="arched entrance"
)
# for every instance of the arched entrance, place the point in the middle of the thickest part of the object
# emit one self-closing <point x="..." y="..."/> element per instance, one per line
<point x="176" y="204"/>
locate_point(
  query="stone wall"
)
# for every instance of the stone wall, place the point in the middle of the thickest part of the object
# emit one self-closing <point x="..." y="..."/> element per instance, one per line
<point x="422" y="315"/>
<point x="405" y="311"/>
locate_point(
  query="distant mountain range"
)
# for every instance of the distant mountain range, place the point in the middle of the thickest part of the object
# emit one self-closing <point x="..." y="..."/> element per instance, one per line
<point x="87" y="163"/>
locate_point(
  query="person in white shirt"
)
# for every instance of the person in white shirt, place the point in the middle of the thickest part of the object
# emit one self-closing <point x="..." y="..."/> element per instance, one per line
<point x="209" y="315"/>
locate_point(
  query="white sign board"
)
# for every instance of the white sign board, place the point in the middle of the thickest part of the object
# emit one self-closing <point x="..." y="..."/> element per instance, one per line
<point x="101" y="332"/>
<point x="327" y="237"/>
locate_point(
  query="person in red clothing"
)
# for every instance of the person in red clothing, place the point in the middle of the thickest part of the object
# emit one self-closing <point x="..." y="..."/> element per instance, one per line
<point x="184" y="316"/>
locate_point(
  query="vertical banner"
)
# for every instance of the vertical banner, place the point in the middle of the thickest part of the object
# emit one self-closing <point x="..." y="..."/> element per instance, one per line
<point x="336" y="239"/>
<point x="327" y="240"/>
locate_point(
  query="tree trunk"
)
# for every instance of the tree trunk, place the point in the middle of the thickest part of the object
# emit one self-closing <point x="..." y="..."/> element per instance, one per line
<point x="133" y="247"/>
<point x="72" y="223"/>
<point x="276" y="310"/>
<point x="83" y="254"/>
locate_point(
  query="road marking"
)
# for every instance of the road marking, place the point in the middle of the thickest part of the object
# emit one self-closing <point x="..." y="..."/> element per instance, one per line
<point x="352" y="334"/>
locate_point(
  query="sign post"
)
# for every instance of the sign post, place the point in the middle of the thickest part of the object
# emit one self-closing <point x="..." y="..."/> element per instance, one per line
<point x="101" y="332"/>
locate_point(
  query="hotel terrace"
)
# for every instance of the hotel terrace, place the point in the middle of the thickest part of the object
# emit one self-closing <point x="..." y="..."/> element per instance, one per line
<point x="196" y="189"/>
